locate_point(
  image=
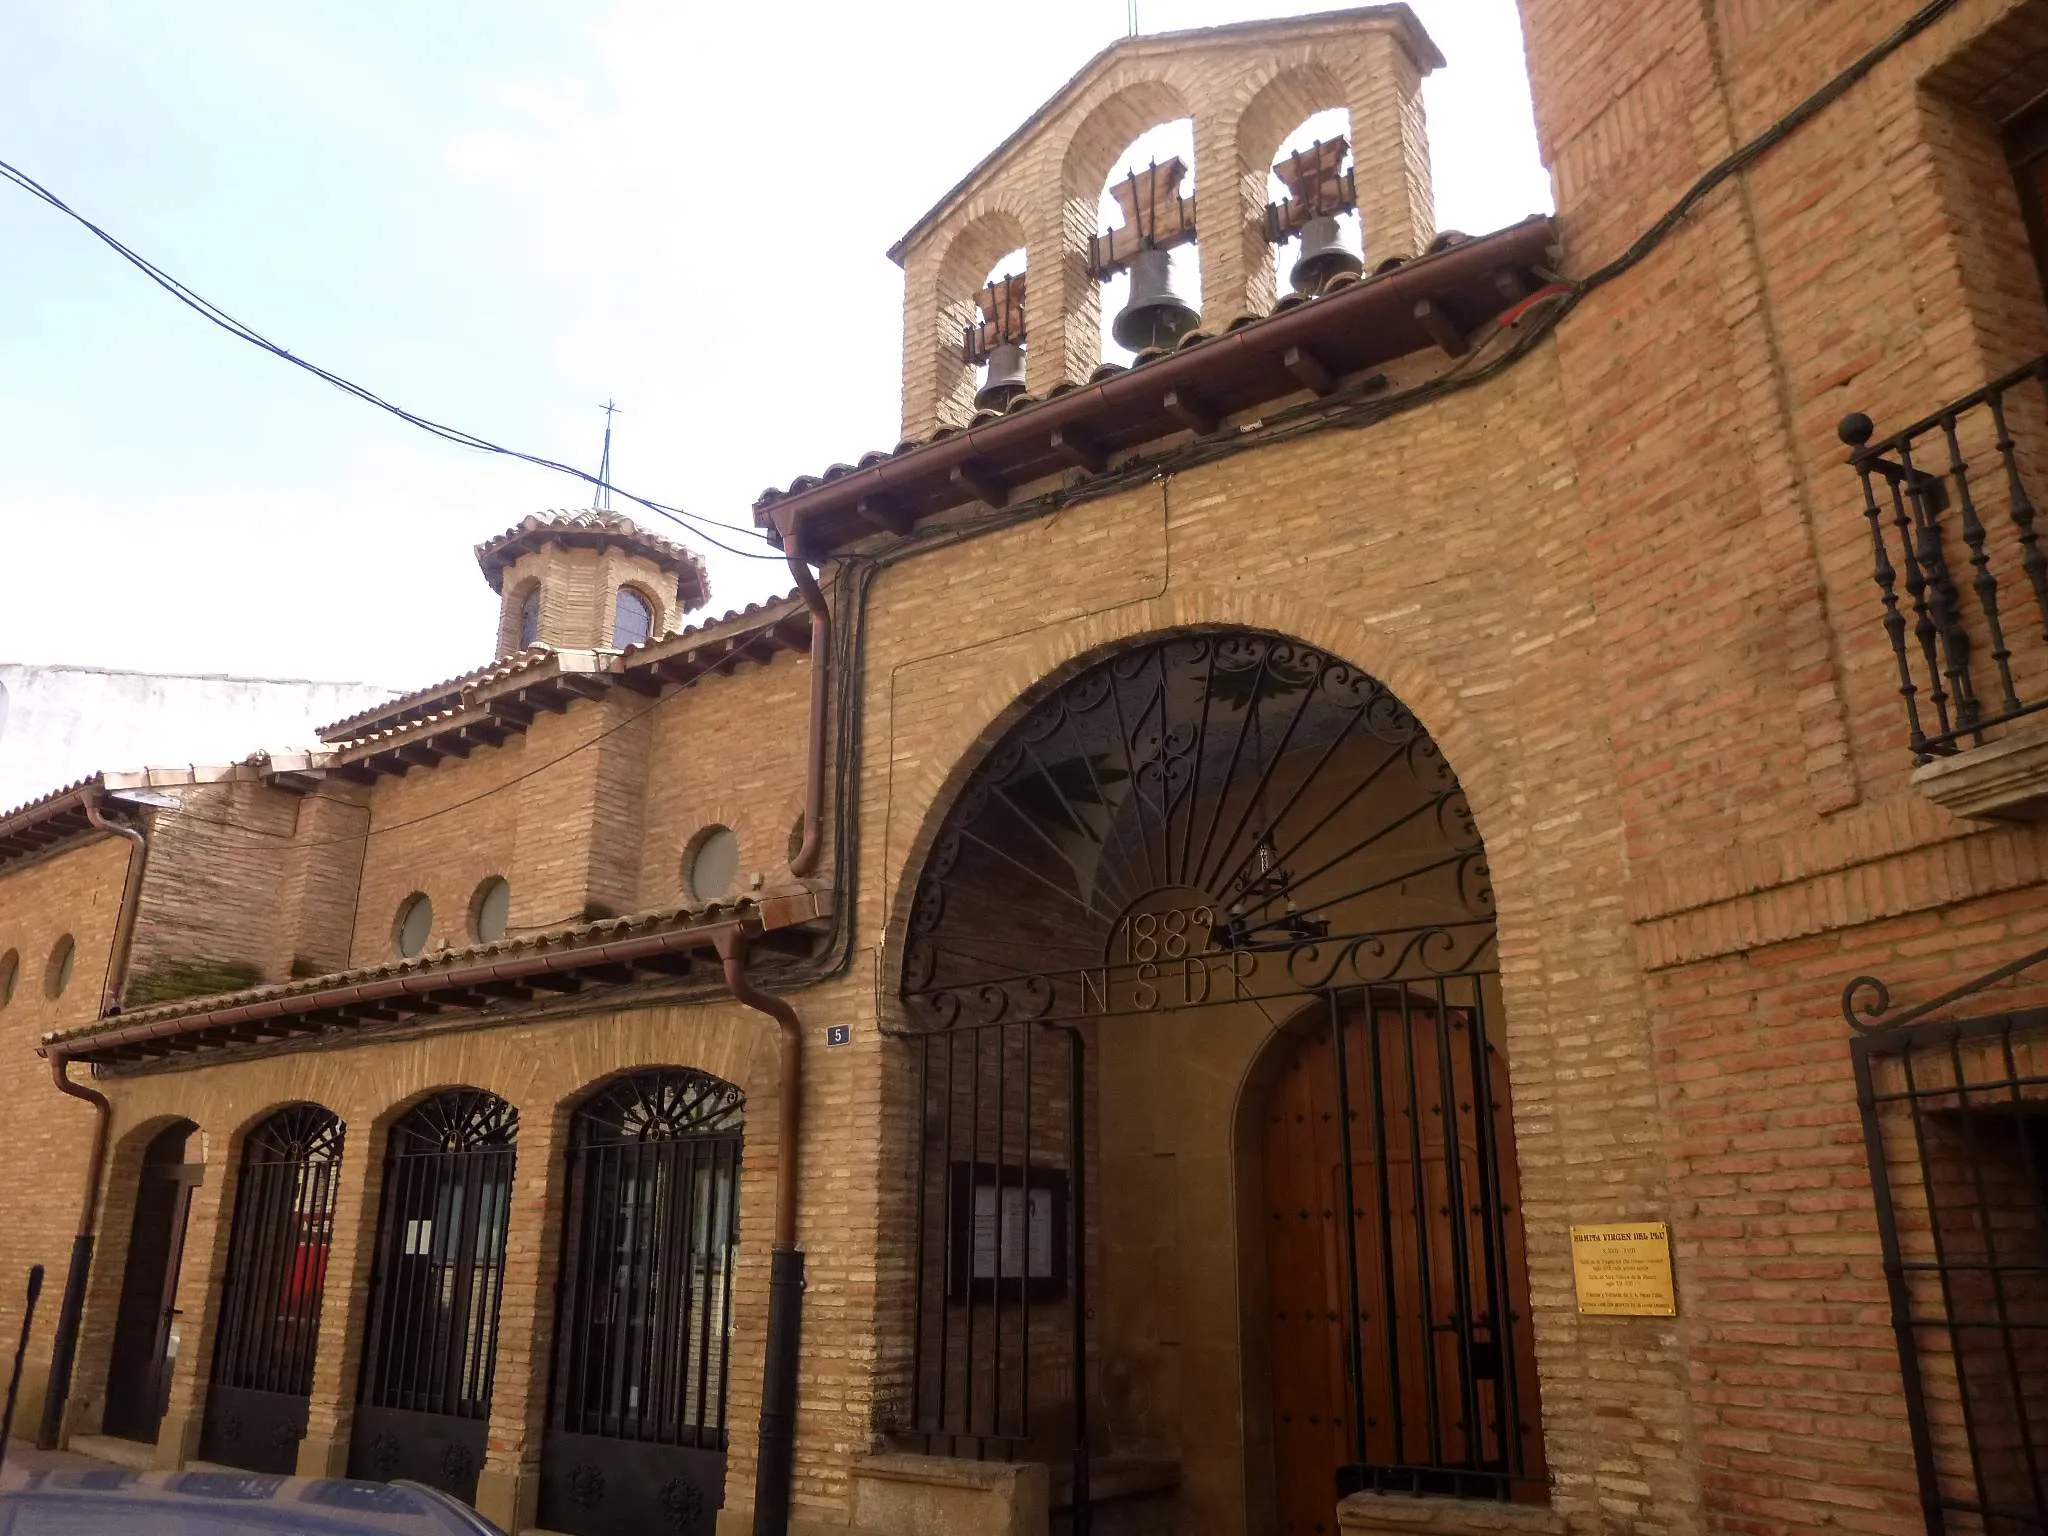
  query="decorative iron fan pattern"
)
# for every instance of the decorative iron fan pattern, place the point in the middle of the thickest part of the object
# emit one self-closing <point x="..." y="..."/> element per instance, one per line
<point x="668" y="1104"/>
<point x="458" y="1120"/>
<point x="1227" y="799"/>
<point x="299" y="1133"/>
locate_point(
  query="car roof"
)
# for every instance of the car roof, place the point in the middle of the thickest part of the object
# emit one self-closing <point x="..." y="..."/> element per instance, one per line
<point x="68" y="1500"/>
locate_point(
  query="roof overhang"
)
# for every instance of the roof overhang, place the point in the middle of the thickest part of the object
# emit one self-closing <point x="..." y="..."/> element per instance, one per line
<point x="659" y="947"/>
<point x="1314" y="345"/>
<point x="56" y="819"/>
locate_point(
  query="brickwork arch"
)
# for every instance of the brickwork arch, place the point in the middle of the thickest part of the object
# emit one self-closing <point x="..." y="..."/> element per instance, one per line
<point x="110" y="1258"/>
<point x="1284" y="101"/>
<point x="970" y="250"/>
<point x="1130" y="104"/>
<point x="1018" y="680"/>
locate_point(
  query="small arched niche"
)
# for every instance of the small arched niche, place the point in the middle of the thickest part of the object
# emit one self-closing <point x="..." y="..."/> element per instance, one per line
<point x="982" y="250"/>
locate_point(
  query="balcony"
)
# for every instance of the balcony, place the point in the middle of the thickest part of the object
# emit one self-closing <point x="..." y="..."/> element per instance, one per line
<point x="1951" y="502"/>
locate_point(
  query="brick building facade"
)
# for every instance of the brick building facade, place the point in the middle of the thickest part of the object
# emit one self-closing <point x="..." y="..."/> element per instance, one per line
<point x="1454" y="772"/>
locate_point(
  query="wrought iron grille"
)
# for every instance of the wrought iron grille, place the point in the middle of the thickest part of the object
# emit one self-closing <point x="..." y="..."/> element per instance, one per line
<point x="440" y="1265"/>
<point x="1971" y="663"/>
<point x="1213" y="819"/>
<point x="1955" y="1125"/>
<point x="646" y="1330"/>
<point x="643" y="1340"/>
<point x="270" y="1303"/>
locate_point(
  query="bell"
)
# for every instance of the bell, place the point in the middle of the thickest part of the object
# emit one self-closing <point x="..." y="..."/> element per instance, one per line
<point x="1323" y="255"/>
<point x="1156" y="316"/>
<point x="1005" y="377"/>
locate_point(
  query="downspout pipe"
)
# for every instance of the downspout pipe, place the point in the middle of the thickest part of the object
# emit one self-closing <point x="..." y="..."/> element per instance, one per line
<point x="64" y="1350"/>
<point x="776" y="1464"/>
<point x="806" y="859"/>
<point x="116" y="977"/>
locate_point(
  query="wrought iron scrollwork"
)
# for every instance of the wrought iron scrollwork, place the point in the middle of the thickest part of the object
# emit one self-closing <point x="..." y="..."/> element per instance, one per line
<point x="1282" y="792"/>
<point x="669" y="1104"/>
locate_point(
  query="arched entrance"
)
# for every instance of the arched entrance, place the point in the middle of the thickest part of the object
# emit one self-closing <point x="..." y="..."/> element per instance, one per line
<point x="636" y="1412"/>
<point x="424" y="1405"/>
<point x="270" y="1301"/>
<point x="1172" y="851"/>
<point x="146" y="1322"/>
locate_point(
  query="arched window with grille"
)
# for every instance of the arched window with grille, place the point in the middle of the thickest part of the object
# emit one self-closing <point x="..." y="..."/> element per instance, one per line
<point x="637" y="1407"/>
<point x="632" y="619"/>
<point x="270" y="1303"/>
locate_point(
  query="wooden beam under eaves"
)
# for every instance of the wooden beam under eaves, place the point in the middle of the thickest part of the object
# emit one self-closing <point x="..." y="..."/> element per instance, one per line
<point x="1439" y="327"/>
<point x="1191" y="412"/>
<point x="883" y="514"/>
<point x="1079" y="450"/>
<point x="979" y="481"/>
<point x="1307" y="370"/>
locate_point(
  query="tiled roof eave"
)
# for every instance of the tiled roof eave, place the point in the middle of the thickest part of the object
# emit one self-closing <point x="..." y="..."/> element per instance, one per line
<point x="652" y="943"/>
<point x="1345" y="333"/>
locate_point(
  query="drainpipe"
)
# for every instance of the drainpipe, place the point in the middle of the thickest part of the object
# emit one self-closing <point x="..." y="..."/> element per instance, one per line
<point x="124" y="923"/>
<point x="777" y="1461"/>
<point x="806" y="858"/>
<point x="64" y="1350"/>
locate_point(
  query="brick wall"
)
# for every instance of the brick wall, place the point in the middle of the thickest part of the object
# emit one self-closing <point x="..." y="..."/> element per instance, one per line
<point x="44" y="1137"/>
<point x="1623" y="586"/>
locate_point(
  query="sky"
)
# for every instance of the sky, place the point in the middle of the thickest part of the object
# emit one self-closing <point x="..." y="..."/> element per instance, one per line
<point x="497" y="215"/>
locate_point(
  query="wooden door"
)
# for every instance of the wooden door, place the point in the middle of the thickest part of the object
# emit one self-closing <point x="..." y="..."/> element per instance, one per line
<point x="1400" y="1339"/>
<point x="139" y="1374"/>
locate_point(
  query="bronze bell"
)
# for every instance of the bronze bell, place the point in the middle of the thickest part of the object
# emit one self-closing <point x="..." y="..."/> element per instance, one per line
<point x="1323" y="255"/>
<point x="1005" y="380"/>
<point x="1156" y="316"/>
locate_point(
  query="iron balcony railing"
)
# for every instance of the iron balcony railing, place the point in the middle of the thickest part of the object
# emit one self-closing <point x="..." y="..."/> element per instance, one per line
<point x="1951" y="501"/>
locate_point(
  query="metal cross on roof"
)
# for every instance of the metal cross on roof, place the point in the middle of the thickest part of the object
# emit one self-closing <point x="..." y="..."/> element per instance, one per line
<point x="603" y="499"/>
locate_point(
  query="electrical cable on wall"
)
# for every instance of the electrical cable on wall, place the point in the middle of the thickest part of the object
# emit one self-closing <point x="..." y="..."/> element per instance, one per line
<point x="217" y="316"/>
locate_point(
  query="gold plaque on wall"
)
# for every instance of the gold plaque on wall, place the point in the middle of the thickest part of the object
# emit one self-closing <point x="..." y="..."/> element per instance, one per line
<point x="1623" y="1269"/>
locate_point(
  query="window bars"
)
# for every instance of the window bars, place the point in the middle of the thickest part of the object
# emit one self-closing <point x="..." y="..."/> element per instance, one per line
<point x="1955" y="1127"/>
<point x="270" y="1305"/>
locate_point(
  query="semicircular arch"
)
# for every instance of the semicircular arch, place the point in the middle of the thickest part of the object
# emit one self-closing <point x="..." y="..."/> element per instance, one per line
<point x="1213" y="796"/>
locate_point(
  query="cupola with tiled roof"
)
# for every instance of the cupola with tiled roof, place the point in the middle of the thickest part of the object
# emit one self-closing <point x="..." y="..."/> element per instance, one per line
<point x="589" y="579"/>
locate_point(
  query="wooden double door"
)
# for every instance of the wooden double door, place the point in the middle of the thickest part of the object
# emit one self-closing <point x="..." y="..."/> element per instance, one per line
<point x="1397" y="1283"/>
<point x="146" y="1320"/>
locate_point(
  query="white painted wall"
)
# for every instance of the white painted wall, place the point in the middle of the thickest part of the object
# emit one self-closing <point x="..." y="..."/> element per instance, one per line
<point x="58" y="724"/>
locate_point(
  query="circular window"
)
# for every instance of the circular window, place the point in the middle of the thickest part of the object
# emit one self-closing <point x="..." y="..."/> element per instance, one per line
<point x="415" y="924"/>
<point x="57" y="974"/>
<point x="490" y="911"/>
<point x="10" y="968"/>
<point x="711" y="864"/>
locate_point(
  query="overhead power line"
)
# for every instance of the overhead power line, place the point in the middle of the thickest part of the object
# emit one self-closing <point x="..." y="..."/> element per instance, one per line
<point x="215" y="315"/>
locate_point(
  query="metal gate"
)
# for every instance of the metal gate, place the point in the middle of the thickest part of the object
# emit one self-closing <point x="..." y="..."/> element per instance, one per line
<point x="1955" y="1125"/>
<point x="636" y="1426"/>
<point x="270" y="1303"/>
<point x="1214" y="820"/>
<point x="425" y="1401"/>
<point x="1401" y="1345"/>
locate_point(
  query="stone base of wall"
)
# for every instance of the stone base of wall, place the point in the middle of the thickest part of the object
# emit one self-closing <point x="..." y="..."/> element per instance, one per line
<point x="907" y="1495"/>
<point x="1398" y="1514"/>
